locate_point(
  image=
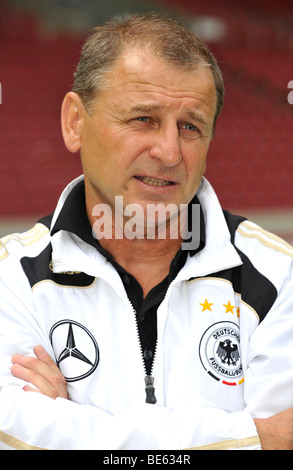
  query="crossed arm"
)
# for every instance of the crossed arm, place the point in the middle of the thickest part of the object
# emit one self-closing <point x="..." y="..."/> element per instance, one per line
<point x="275" y="432"/>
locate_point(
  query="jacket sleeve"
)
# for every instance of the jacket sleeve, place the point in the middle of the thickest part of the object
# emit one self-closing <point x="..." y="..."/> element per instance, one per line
<point x="33" y="421"/>
<point x="270" y="372"/>
<point x="269" y="376"/>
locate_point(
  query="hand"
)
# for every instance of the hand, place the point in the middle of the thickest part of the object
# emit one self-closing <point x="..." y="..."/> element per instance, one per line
<point x="42" y="372"/>
<point x="276" y="432"/>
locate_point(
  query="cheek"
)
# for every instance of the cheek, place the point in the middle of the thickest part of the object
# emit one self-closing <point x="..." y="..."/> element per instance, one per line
<point x="95" y="150"/>
<point x="195" y="164"/>
<point x="120" y="145"/>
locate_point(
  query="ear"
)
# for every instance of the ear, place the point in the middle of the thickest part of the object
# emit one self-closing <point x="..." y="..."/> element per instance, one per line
<point x="72" y="119"/>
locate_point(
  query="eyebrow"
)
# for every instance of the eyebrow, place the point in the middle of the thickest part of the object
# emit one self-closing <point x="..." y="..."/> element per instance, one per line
<point x="149" y="108"/>
<point x="197" y="116"/>
<point x="146" y="108"/>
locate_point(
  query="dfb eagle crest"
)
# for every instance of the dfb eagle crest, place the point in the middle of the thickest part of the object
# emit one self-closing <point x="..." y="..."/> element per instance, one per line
<point x="228" y="352"/>
<point x="220" y="353"/>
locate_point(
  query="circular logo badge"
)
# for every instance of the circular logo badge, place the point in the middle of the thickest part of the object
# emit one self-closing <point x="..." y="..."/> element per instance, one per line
<point x="75" y="348"/>
<point x="219" y="352"/>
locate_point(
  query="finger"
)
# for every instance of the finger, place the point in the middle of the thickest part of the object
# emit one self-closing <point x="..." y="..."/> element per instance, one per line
<point x="43" y="356"/>
<point x="29" y="375"/>
<point x="31" y="363"/>
<point x="40" y="364"/>
<point x="48" y="379"/>
<point x="57" y="379"/>
<point x="27" y="388"/>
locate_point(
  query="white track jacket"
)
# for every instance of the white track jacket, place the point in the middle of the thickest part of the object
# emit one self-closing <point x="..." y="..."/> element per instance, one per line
<point x="224" y="350"/>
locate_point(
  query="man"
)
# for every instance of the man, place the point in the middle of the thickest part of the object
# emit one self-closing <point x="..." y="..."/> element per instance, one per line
<point x="131" y="341"/>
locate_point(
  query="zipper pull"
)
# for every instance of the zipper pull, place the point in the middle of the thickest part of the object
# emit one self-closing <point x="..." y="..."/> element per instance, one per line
<point x="150" y="390"/>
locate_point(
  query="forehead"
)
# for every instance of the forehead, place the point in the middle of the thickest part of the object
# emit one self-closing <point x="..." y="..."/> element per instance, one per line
<point x="139" y="75"/>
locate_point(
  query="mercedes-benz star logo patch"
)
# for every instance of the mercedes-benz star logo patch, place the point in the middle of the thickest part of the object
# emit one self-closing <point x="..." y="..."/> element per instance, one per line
<point x="76" y="350"/>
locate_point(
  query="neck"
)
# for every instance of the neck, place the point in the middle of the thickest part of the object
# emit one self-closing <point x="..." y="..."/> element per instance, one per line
<point x="141" y="251"/>
<point x="147" y="260"/>
<point x="147" y="257"/>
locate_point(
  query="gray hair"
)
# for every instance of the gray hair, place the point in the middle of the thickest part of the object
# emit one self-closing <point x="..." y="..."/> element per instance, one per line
<point x="162" y="36"/>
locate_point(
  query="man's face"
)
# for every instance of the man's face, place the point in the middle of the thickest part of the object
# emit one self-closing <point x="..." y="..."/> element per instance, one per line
<point x="148" y="134"/>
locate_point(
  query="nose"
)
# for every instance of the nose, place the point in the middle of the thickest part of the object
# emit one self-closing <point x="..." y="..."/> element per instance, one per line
<point x="167" y="147"/>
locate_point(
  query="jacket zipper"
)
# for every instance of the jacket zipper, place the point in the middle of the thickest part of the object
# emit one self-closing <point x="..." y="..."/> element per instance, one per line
<point x="150" y="389"/>
<point x="148" y="379"/>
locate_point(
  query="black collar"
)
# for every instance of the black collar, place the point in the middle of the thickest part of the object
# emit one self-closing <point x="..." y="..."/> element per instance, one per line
<point x="73" y="218"/>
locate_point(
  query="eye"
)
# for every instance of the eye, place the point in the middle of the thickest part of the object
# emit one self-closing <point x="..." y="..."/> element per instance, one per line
<point x="190" y="130"/>
<point x="143" y="118"/>
<point x="190" y="127"/>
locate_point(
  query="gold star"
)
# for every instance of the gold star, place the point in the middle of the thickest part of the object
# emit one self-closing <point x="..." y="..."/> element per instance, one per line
<point x="206" y="305"/>
<point x="229" y="307"/>
<point x="238" y="312"/>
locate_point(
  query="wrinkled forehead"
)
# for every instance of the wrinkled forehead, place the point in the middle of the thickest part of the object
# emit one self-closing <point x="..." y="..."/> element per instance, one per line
<point x="141" y="74"/>
<point x="143" y="69"/>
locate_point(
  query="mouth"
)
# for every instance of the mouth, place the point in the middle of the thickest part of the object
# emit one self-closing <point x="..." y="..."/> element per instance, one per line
<point x="154" y="181"/>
